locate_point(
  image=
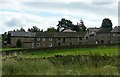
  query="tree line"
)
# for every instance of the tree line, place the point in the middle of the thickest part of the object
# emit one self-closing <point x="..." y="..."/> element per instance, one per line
<point x="65" y="24"/>
<point x="62" y="25"/>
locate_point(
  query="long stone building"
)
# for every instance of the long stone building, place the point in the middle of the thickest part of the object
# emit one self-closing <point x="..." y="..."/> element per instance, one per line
<point x="55" y="39"/>
<point x="47" y="39"/>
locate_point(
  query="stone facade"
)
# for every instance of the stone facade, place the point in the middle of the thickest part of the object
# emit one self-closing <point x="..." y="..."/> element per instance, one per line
<point x="103" y="38"/>
<point x="27" y="42"/>
<point x="57" y="39"/>
<point x="48" y="39"/>
<point x="93" y="30"/>
<point x="107" y="36"/>
<point x="27" y="39"/>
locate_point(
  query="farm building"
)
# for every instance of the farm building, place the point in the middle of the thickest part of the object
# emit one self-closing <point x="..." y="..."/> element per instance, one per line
<point x="27" y="38"/>
<point x="58" y="39"/>
<point x="66" y="38"/>
<point x="108" y="36"/>
<point x="102" y="36"/>
<point x="115" y="35"/>
<point x="47" y="39"/>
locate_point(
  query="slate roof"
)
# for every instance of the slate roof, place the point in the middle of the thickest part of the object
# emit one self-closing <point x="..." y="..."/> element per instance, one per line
<point x="47" y="34"/>
<point x="23" y="34"/>
<point x="116" y="29"/>
<point x="104" y="30"/>
<point x="60" y="34"/>
<point x="68" y="30"/>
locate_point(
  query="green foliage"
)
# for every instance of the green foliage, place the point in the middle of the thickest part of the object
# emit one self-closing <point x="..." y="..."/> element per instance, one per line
<point x="83" y="26"/>
<point x="102" y="60"/>
<point x="27" y="67"/>
<point x="110" y="51"/>
<point x="34" y="29"/>
<point x="106" y="23"/>
<point x="8" y="38"/>
<point x="63" y="23"/>
<point x="67" y="24"/>
<point x="51" y="29"/>
<point x="61" y="65"/>
<point x="22" y="30"/>
<point x="19" y="43"/>
<point x="4" y="37"/>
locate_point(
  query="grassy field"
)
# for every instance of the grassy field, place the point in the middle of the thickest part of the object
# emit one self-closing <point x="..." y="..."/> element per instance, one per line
<point x="4" y="49"/>
<point x="102" y="50"/>
<point x="102" y="60"/>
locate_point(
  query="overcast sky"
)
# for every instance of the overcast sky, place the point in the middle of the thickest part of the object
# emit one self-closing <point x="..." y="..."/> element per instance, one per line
<point x="44" y="13"/>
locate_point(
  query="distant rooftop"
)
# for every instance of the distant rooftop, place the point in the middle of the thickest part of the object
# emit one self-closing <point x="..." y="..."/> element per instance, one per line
<point x="104" y="30"/>
<point x="60" y="34"/>
<point x="68" y="30"/>
<point x="116" y="29"/>
<point x="17" y="33"/>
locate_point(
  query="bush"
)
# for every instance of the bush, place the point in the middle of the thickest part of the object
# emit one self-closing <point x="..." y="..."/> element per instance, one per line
<point x="19" y="43"/>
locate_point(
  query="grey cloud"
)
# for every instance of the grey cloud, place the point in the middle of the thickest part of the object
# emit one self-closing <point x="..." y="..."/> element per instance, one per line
<point x="101" y="3"/>
<point x="93" y="7"/>
<point x="15" y="22"/>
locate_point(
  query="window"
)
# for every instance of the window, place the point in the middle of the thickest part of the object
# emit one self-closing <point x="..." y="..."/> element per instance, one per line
<point x="43" y="39"/>
<point x="113" y="34"/>
<point x="58" y="38"/>
<point x="79" y="38"/>
<point x="86" y="37"/>
<point x="26" y="35"/>
<point x="50" y="45"/>
<point x="38" y="39"/>
<point x="59" y="44"/>
<point x="102" y="41"/>
<point x="96" y="42"/>
<point x="71" y="43"/>
<point x="118" y="34"/>
<point x="80" y="43"/>
<point x="50" y="39"/>
<point x="63" y="39"/>
<point x="38" y="44"/>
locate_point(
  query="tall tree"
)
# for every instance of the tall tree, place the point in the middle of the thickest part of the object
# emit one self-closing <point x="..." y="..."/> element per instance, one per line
<point x="4" y="37"/>
<point x="8" y="38"/>
<point x="21" y="29"/>
<point x="106" y="23"/>
<point x="51" y="29"/>
<point x="82" y="25"/>
<point x="34" y="29"/>
<point x="64" y="24"/>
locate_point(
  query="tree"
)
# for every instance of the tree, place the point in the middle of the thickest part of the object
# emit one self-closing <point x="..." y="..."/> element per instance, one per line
<point x="64" y="24"/>
<point x="51" y="29"/>
<point x="34" y="29"/>
<point x="76" y="28"/>
<point x="106" y="23"/>
<point x="8" y="38"/>
<point x="19" y="43"/>
<point x="4" y="38"/>
<point x="82" y="25"/>
<point x="22" y="30"/>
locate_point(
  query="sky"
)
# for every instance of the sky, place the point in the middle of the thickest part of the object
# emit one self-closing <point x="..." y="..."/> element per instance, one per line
<point x="46" y="13"/>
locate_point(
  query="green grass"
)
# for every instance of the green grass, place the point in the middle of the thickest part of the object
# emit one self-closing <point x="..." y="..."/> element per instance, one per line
<point x="5" y="49"/>
<point x="69" y="65"/>
<point x="103" y="50"/>
<point x="100" y="60"/>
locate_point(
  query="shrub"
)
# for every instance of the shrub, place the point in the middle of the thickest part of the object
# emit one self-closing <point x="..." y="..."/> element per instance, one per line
<point x="19" y="43"/>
